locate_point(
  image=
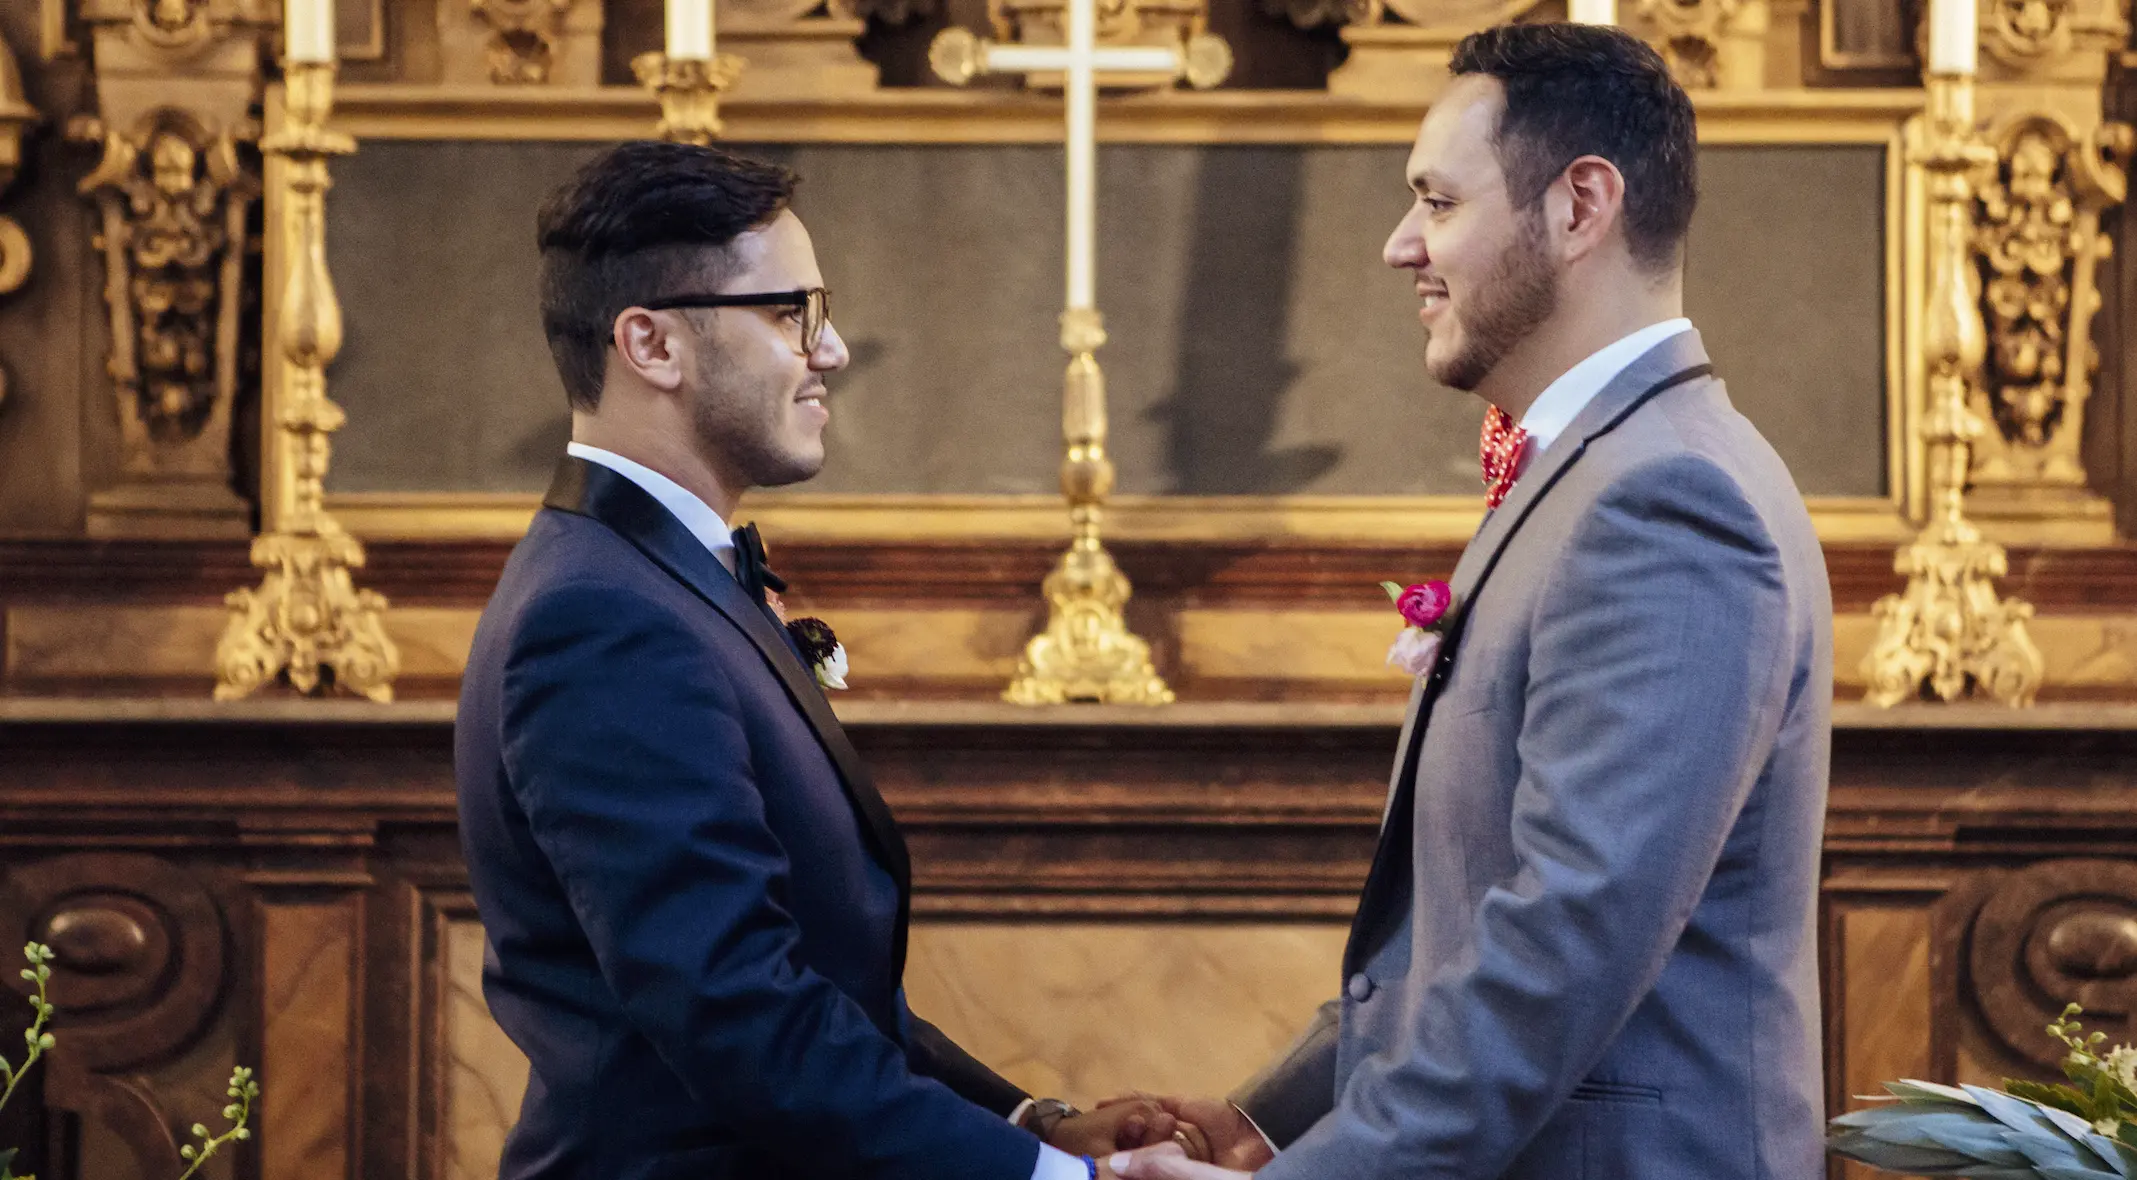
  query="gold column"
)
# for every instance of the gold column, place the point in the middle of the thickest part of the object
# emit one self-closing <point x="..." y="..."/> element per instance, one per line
<point x="1086" y="652"/>
<point x="1948" y="631"/>
<point x="689" y="93"/>
<point x="306" y="622"/>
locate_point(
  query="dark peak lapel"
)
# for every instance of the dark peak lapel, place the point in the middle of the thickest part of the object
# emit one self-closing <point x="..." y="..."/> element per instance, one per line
<point x="591" y="490"/>
<point x="1618" y="398"/>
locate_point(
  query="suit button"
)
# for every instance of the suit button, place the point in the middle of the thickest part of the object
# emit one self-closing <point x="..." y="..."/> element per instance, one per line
<point x="1360" y="987"/>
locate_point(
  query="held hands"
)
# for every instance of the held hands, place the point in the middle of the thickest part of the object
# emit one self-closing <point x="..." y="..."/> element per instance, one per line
<point x="1118" y="1125"/>
<point x="1167" y="1161"/>
<point x="1205" y="1130"/>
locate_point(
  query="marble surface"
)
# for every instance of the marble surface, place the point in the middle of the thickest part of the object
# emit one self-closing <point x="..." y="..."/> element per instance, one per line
<point x="485" y="1073"/>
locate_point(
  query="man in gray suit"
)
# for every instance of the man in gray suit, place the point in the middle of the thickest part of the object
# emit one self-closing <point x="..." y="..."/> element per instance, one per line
<point x="1586" y="947"/>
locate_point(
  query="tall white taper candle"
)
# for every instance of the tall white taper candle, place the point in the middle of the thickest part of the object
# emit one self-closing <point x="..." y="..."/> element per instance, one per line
<point x="1954" y="36"/>
<point x="690" y="30"/>
<point x="1592" y="12"/>
<point x="308" y="31"/>
<point x="1082" y="153"/>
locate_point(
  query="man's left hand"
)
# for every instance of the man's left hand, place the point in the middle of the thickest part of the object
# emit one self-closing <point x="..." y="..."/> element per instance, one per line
<point x="1167" y="1162"/>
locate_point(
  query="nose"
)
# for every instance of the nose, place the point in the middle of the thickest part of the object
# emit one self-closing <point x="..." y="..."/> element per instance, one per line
<point x="830" y="355"/>
<point x="1405" y="249"/>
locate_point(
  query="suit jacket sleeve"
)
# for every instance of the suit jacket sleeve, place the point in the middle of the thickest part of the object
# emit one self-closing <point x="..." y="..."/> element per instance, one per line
<point x="1293" y="1092"/>
<point x="624" y="747"/>
<point x="1658" y="660"/>
<point x="933" y="1054"/>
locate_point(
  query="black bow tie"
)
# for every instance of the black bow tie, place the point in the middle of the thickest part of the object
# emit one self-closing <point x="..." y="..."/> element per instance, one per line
<point x="751" y="567"/>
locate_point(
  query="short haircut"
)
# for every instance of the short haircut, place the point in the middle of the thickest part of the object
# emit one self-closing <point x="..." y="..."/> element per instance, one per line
<point x="1588" y="90"/>
<point x="636" y="222"/>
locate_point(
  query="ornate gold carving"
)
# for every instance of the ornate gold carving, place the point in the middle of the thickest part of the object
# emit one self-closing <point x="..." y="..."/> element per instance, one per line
<point x="1709" y="44"/>
<point x="16" y="117"/>
<point x="306" y="622"/>
<point x="521" y="42"/>
<point x="1086" y="652"/>
<point x="1949" y="632"/>
<point x="1179" y="25"/>
<point x="177" y="83"/>
<point x="2039" y="245"/>
<point x="689" y="94"/>
<point x="173" y="196"/>
<point x="522" y="38"/>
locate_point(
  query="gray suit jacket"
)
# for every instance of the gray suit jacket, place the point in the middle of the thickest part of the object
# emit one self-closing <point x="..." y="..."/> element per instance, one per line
<point x="1587" y="947"/>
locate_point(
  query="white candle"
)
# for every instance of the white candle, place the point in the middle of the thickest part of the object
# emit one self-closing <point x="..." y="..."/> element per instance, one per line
<point x="308" y="30"/>
<point x="1082" y="153"/>
<point x="1954" y="37"/>
<point x="1592" y="12"/>
<point x="690" y="30"/>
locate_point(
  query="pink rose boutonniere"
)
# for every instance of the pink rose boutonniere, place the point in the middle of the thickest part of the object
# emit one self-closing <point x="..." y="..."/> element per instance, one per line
<point x="1424" y="608"/>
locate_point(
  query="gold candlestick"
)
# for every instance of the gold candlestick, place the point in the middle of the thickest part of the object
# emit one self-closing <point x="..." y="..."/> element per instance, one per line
<point x="1086" y="652"/>
<point x="689" y="93"/>
<point x="1948" y="631"/>
<point x="306" y="622"/>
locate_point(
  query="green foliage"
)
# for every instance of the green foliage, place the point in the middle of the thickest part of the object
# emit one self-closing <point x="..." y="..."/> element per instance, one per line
<point x="243" y="1089"/>
<point x="2028" y="1131"/>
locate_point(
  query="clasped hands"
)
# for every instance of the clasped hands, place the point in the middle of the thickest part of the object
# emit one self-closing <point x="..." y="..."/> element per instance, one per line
<point x="1141" y="1137"/>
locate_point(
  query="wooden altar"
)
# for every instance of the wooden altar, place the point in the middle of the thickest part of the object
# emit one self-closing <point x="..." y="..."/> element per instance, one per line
<point x="279" y="882"/>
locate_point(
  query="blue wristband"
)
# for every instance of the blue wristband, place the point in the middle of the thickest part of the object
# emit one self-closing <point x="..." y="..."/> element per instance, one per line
<point x="1091" y="1165"/>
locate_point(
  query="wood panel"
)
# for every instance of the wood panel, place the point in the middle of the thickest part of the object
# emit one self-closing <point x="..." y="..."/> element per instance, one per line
<point x="1977" y="875"/>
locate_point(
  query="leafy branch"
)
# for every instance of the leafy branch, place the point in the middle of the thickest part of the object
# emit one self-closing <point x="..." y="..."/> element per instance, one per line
<point x="38" y="972"/>
<point x="244" y="1090"/>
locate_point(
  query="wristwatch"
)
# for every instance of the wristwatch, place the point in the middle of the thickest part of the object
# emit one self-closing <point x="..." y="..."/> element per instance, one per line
<point x="1045" y="1114"/>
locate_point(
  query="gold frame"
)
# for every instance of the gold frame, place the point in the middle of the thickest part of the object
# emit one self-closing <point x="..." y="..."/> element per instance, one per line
<point x="927" y="116"/>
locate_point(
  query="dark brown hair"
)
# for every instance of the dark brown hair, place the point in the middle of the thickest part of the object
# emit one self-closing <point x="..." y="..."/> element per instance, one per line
<point x="1588" y="90"/>
<point x="636" y="222"/>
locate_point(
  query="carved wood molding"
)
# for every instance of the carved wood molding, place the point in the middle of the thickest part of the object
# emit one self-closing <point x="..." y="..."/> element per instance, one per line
<point x="138" y="970"/>
<point x="2049" y="934"/>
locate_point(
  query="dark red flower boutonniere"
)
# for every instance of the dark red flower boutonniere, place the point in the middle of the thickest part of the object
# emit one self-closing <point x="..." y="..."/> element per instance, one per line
<point x="818" y="643"/>
<point x="1424" y="608"/>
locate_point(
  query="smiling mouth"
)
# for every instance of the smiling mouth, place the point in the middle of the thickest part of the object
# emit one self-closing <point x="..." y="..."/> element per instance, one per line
<point x="812" y="398"/>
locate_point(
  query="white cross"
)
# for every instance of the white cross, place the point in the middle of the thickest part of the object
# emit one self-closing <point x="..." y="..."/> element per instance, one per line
<point x="958" y="57"/>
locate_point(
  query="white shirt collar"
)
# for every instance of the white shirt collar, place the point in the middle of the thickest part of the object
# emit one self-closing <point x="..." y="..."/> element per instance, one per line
<point x="696" y="515"/>
<point x="1564" y="399"/>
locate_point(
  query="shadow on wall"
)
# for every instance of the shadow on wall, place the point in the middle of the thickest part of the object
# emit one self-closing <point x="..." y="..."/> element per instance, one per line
<point x="1234" y="368"/>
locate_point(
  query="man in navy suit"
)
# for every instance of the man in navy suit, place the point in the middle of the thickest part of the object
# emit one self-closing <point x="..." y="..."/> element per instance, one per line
<point x="695" y="899"/>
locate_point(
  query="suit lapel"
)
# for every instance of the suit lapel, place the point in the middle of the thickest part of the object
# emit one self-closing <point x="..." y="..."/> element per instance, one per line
<point x="591" y="490"/>
<point x="1672" y="362"/>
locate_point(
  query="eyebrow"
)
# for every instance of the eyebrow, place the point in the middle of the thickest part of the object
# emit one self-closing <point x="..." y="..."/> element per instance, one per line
<point x="1423" y="180"/>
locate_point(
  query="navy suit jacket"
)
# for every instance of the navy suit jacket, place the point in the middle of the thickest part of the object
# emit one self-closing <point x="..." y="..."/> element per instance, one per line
<point x="695" y="899"/>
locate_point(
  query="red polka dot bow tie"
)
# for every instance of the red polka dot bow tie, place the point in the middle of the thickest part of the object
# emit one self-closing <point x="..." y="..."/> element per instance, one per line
<point x="1500" y="449"/>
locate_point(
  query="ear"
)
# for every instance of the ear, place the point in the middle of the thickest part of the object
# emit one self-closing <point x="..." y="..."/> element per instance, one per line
<point x="649" y="346"/>
<point x="1595" y="197"/>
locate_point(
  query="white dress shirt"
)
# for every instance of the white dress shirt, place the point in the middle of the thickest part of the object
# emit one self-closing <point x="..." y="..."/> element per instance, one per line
<point x="712" y="532"/>
<point x="1562" y="400"/>
<point x="696" y="514"/>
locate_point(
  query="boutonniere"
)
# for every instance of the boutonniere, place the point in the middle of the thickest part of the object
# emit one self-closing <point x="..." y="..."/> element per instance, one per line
<point x="818" y="643"/>
<point x="1424" y="609"/>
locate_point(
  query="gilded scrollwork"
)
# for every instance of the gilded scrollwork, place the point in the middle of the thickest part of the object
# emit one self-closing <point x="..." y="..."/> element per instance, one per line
<point x="2038" y="243"/>
<point x="173" y="197"/>
<point x="1709" y="44"/>
<point x="523" y="37"/>
<point x="16" y="117"/>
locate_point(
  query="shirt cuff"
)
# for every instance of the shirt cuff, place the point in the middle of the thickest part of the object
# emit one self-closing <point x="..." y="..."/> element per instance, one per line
<point x="1016" y="1117"/>
<point x="1056" y="1164"/>
<point x="1273" y="1150"/>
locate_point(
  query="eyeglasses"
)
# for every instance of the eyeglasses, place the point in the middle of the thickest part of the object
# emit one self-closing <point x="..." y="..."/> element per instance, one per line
<point x="814" y="302"/>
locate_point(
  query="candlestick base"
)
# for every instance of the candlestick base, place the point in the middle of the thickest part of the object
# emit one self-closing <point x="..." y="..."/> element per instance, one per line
<point x="1086" y="653"/>
<point x="307" y="620"/>
<point x="689" y="93"/>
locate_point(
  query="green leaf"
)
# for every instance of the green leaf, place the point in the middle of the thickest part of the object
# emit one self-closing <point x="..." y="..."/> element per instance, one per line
<point x="2049" y="1094"/>
<point x="1394" y="591"/>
